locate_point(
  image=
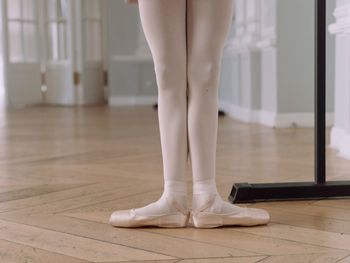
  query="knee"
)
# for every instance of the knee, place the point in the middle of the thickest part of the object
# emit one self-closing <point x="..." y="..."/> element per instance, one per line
<point x="203" y="74"/>
<point x="170" y="76"/>
<point x="163" y="71"/>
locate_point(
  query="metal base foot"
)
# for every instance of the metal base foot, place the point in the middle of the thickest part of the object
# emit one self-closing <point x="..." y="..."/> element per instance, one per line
<point x="250" y="193"/>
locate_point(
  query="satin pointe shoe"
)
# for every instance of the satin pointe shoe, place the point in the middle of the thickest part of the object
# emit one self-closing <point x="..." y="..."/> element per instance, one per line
<point x="242" y="216"/>
<point x="130" y="218"/>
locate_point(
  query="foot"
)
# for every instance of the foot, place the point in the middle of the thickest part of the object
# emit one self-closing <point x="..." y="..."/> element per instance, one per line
<point x="167" y="211"/>
<point x="210" y="210"/>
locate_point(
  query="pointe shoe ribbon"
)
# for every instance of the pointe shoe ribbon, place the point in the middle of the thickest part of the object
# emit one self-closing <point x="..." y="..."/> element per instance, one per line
<point x="217" y="217"/>
<point x="209" y="200"/>
<point x="172" y="201"/>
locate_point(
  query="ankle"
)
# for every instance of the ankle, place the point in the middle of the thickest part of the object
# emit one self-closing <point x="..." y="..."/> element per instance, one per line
<point x="205" y="187"/>
<point x="175" y="192"/>
<point x="177" y="188"/>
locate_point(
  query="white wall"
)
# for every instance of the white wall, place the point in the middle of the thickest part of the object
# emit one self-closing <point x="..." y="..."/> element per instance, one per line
<point x="123" y="25"/>
<point x="132" y="78"/>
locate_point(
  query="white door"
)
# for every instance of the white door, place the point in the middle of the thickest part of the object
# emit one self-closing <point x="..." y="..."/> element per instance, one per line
<point x="22" y="72"/>
<point x="58" y="31"/>
<point x="91" y="65"/>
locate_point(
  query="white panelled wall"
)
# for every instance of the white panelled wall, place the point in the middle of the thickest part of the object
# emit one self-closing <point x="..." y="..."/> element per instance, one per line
<point x="241" y="50"/>
<point x="268" y="64"/>
<point x="340" y="133"/>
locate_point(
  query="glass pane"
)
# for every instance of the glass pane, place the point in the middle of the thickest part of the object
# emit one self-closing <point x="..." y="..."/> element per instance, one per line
<point x="57" y="9"/>
<point x="62" y="8"/>
<point x="30" y="43"/>
<point x="29" y="9"/>
<point x="97" y="9"/>
<point x="91" y="9"/>
<point x="58" y="41"/>
<point x="51" y="9"/>
<point x="53" y="41"/>
<point x="92" y="41"/>
<point x="15" y="42"/>
<point x="14" y="9"/>
<point x="87" y="8"/>
<point x="62" y="41"/>
<point x="96" y="40"/>
<point x="269" y="13"/>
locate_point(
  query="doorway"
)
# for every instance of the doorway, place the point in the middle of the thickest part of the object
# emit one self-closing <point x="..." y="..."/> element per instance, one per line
<point x="53" y="52"/>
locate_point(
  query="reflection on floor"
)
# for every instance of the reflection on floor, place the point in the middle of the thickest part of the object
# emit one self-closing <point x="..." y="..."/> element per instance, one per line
<point x="64" y="170"/>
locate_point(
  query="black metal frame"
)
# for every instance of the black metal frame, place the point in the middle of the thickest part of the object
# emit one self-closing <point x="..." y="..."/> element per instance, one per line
<point x="319" y="189"/>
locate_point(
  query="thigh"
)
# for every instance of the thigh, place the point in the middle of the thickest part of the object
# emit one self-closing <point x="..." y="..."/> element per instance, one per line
<point x="208" y="24"/>
<point x="164" y="26"/>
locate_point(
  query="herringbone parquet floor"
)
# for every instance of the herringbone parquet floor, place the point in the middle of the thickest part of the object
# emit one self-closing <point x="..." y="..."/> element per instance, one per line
<point x="64" y="170"/>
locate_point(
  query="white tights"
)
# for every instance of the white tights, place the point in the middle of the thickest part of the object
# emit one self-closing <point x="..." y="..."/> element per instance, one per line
<point x="186" y="38"/>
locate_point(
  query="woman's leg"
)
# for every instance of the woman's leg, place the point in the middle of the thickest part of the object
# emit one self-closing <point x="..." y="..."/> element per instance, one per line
<point x="164" y="25"/>
<point x="208" y="26"/>
<point x="209" y="22"/>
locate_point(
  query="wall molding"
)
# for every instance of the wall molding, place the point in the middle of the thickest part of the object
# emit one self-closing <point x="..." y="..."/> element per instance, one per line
<point x="342" y="24"/>
<point x="272" y="119"/>
<point x="239" y="113"/>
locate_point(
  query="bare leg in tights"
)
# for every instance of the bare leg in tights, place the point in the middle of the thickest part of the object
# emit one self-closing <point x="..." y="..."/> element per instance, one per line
<point x="164" y="26"/>
<point x="206" y="39"/>
<point x="186" y="38"/>
<point x="208" y="24"/>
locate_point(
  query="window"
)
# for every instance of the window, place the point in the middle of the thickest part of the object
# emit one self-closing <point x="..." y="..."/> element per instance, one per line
<point x="22" y="28"/>
<point x="92" y="29"/>
<point x="57" y="29"/>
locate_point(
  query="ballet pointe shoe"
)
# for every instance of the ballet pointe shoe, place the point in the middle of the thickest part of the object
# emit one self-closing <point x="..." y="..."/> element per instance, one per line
<point x="130" y="218"/>
<point x="242" y="216"/>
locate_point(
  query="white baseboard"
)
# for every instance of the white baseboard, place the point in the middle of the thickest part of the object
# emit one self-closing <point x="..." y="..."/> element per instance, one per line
<point x="239" y="113"/>
<point x="132" y="100"/>
<point x="272" y="119"/>
<point x="299" y="119"/>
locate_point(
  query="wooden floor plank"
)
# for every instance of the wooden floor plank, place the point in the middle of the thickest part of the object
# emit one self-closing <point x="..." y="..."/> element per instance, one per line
<point x="82" y="200"/>
<point x="224" y="260"/>
<point x="63" y="171"/>
<point x="345" y="259"/>
<point x="134" y="238"/>
<point x="17" y="253"/>
<point x="70" y="245"/>
<point x="314" y="258"/>
<point x="301" y="234"/>
<point x="313" y="221"/>
<point x="34" y="191"/>
<point x="81" y="191"/>
<point x="249" y="241"/>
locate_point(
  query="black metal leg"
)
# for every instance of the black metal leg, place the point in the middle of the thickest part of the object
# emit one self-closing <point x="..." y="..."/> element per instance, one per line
<point x="245" y="192"/>
<point x="320" y="91"/>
